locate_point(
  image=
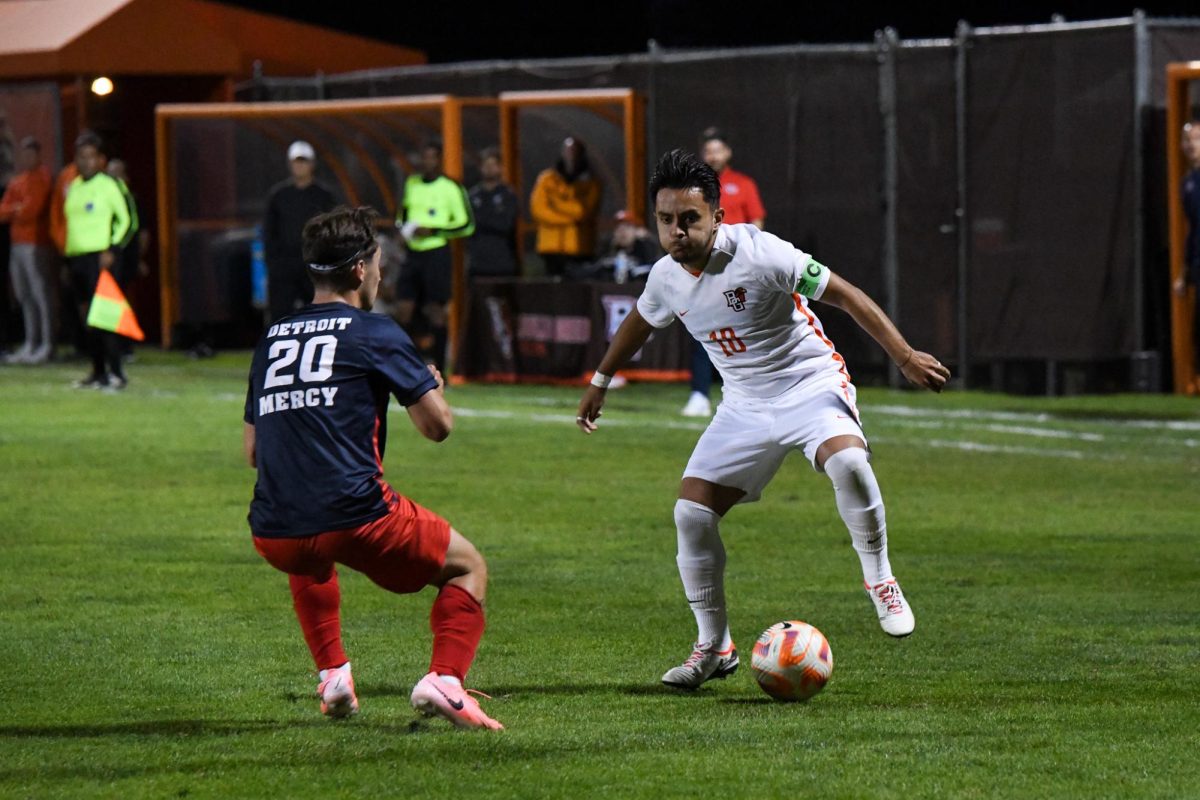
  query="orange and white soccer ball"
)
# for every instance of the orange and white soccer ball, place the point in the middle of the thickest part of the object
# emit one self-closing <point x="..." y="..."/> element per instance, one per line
<point x="792" y="660"/>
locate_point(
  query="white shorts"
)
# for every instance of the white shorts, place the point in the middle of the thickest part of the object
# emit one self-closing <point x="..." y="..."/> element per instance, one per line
<point x="747" y="440"/>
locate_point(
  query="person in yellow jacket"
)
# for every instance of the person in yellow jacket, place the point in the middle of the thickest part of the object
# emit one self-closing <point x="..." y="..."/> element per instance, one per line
<point x="565" y="200"/>
<point x="98" y="227"/>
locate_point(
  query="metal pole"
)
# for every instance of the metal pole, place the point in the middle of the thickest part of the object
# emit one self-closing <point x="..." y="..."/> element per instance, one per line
<point x="1141" y="105"/>
<point x="654" y="52"/>
<point x="962" y="36"/>
<point x="886" y="41"/>
<point x="256" y="72"/>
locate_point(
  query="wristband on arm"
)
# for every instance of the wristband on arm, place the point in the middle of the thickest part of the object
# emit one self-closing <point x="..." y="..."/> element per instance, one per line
<point x="600" y="380"/>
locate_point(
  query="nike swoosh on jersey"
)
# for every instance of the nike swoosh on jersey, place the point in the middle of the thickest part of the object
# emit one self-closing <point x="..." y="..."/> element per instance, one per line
<point x="683" y="313"/>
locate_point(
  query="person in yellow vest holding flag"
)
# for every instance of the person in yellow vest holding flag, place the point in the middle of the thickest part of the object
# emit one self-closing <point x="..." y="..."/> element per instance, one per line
<point x="434" y="211"/>
<point x="98" y="227"/>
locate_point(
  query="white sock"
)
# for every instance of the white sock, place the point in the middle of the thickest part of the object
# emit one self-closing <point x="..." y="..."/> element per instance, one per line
<point x="323" y="674"/>
<point x="861" y="506"/>
<point x="701" y="561"/>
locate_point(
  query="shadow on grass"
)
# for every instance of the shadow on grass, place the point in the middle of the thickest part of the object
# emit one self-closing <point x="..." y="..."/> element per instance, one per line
<point x="184" y="727"/>
<point x="542" y="690"/>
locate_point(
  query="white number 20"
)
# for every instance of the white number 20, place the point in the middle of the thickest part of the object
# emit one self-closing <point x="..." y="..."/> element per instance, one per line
<point x="316" y="362"/>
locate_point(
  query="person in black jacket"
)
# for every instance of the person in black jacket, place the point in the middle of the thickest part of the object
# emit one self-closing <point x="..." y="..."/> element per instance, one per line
<point x="492" y="250"/>
<point x="291" y="204"/>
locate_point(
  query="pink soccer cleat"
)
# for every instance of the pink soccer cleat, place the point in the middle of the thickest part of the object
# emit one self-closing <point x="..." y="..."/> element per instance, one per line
<point x="895" y="616"/>
<point x="337" y="692"/>
<point x="433" y="696"/>
<point x="704" y="664"/>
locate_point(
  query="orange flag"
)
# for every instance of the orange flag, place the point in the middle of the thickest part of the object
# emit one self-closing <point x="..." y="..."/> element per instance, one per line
<point x="110" y="310"/>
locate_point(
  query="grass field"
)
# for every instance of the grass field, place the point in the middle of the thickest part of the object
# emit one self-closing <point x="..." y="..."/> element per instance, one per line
<point x="1050" y="549"/>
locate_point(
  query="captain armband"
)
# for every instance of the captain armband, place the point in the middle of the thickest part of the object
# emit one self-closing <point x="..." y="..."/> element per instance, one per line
<point x="813" y="279"/>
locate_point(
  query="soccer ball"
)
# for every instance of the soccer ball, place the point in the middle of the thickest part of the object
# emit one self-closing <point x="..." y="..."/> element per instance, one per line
<point x="792" y="660"/>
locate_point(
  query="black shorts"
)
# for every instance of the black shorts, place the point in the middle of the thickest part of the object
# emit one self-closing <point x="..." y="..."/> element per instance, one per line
<point x="85" y="274"/>
<point x="426" y="277"/>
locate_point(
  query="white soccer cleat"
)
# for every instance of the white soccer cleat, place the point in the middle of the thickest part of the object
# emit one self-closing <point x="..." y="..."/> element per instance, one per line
<point x="697" y="406"/>
<point x="895" y="616"/>
<point x="337" y="692"/>
<point x="433" y="696"/>
<point x="706" y="663"/>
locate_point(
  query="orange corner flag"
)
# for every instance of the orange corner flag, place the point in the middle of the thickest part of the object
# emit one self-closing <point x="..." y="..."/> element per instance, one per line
<point x="110" y="310"/>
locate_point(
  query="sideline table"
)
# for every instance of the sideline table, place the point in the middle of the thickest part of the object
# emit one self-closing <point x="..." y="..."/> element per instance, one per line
<point x="540" y="331"/>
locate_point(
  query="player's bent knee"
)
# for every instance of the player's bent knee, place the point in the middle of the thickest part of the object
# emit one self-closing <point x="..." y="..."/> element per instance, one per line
<point x="849" y="464"/>
<point x="857" y="491"/>
<point x="464" y="565"/>
<point x="690" y="515"/>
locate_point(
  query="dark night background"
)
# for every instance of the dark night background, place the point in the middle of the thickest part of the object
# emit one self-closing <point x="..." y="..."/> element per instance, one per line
<point x="450" y="32"/>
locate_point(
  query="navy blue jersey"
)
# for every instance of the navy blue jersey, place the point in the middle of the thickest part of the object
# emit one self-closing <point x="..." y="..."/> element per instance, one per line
<point x="318" y="396"/>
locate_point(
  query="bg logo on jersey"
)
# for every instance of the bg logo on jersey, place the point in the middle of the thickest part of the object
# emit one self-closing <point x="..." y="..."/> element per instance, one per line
<point x="736" y="299"/>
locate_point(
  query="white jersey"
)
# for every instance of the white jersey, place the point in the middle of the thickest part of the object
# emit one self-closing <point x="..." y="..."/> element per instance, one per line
<point x="747" y="311"/>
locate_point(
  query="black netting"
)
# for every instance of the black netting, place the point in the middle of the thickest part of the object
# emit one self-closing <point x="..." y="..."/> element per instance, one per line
<point x="814" y="148"/>
<point x="926" y="200"/>
<point x="1050" y="174"/>
<point x="226" y="167"/>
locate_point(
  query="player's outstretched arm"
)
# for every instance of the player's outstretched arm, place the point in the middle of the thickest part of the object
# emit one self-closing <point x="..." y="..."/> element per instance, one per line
<point x="629" y="338"/>
<point x="431" y="414"/>
<point x="920" y="369"/>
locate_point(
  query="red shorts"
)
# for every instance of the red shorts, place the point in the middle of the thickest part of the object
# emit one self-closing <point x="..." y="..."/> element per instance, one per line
<point x="402" y="551"/>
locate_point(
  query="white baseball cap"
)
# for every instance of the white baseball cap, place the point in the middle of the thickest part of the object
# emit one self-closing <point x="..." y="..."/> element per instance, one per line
<point x="301" y="149"/>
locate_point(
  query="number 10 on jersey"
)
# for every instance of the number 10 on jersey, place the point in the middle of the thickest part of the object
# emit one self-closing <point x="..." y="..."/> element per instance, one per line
<point x="729" y="341"/>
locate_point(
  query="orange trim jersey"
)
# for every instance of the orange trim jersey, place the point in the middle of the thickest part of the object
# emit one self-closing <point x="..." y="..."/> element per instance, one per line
<point x="749" y="308"/>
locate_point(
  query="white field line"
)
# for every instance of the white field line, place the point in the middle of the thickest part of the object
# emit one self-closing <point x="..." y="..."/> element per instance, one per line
<point x="980" y="447"/>
<point x="570" y="420"/>
<point x="1047" y="433"/>
<point x="936" y="418"/>
<point x="1020" y="416"/>
<point x="927" y="424"/>
<point x="966" y="446"/>
<point x="927" y="419"/>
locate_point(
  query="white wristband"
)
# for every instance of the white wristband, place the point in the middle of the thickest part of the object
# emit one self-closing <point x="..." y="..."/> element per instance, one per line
<point x="600" y="380"/>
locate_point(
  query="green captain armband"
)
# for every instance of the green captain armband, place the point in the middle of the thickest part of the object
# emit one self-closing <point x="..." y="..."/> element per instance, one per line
<point x="813" y="279"/>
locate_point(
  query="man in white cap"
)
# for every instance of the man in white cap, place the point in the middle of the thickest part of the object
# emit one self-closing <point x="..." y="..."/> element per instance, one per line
<point x="291" y="204"/>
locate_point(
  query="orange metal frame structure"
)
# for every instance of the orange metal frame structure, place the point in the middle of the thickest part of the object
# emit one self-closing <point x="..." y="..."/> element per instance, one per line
<point x="449" y="107"/>
<point x="1179" y="76"/>
<point x="622" y="106"/>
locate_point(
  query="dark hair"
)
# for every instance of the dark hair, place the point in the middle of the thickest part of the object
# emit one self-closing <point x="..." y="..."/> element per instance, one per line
<point x="714" y="135"/>
<point x="30" y="143"/>
<point x="335" y="241"/>
<point x="582" y="164"/>
<point x="490" y="152"/>
<point x="88" y="139"/>
<point x="432" y="144"/>
<point x="680" y="169"/>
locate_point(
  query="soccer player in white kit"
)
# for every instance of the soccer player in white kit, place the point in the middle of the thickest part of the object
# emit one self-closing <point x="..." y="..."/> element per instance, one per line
<point x="744" y="294"/>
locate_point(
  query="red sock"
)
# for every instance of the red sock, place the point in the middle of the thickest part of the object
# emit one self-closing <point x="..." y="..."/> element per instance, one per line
<point x="457" y="624"/>
<point x="318" y="606"/>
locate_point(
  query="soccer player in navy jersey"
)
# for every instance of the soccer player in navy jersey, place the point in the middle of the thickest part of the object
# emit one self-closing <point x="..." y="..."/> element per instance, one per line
<point x="316" y="426"/>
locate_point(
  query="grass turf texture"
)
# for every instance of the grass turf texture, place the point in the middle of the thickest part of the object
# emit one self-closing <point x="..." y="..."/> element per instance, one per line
<point x="1048" y="546"/>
